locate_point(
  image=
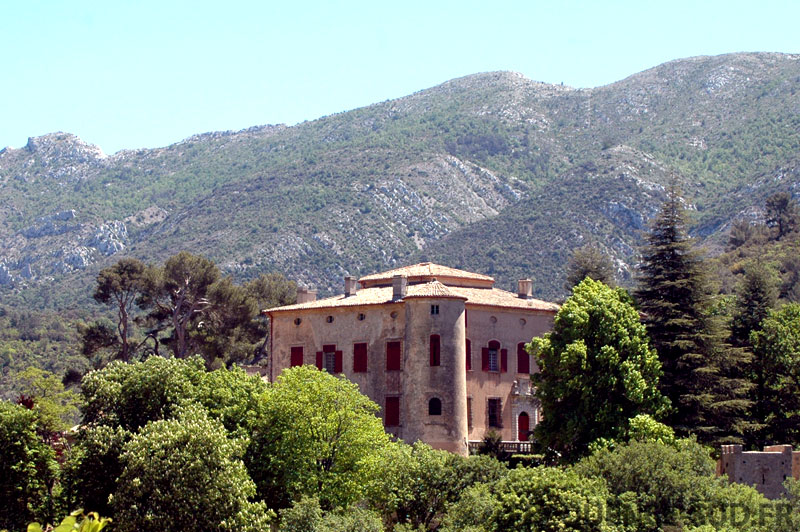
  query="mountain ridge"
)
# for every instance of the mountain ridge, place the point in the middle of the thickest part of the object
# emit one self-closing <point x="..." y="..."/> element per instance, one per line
<point x="469" y="164"/>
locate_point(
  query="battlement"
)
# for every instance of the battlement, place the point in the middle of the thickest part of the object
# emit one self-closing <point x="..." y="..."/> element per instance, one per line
<point x="765" y="470"/>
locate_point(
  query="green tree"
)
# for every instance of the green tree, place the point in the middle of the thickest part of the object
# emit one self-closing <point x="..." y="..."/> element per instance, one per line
<point x="677" y="302"/>
<point x="318" y="436"/>
<point x="777" y="346"/>
<point x="27" y="469"/>
<point x="92" y="467"/>
<point x="306" y="515"/>
<point x="177" y="295"/>
<point x="131" y="395"/>
<point x="550" y="499"/>
<point x="757" y="293"/>
<point x="782" y="213"/>
<point x="596" y="370"/>
<point x="99" y="342"/>
<point x="122" y="398"/>
<point x="121" y="285"/>
<point x="417" y="482"/>
<point x="589" y="261"/>
<point x="204" y="313"/>
<point x="186" y="474"/>
<point x="56" y="408"/>
<point x="268" y="291"/>
<point x="655" y="484"/>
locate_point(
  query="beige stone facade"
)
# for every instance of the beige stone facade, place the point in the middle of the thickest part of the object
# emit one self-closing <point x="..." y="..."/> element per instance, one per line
<point x="764" y="470"/>
<point x="438" y="349"/>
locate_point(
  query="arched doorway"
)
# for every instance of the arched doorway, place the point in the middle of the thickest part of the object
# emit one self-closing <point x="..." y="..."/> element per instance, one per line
<point x="523" y="426"/>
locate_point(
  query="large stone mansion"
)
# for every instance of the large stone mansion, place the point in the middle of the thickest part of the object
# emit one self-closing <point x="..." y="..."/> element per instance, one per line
<point x="439" y="349"/>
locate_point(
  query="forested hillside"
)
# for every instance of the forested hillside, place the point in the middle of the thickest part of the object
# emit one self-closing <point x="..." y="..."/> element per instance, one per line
<point x="492" y="172"/>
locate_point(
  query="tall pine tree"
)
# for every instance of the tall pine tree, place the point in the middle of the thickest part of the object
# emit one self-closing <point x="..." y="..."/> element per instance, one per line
<point x="677" y="301"/>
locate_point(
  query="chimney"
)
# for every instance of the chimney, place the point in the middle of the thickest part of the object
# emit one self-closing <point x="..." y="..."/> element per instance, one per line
<point x="525" y="288"/>
<point x="399" y="287"/>
<point x="350" y="286"/>
<point x="304" y="295"/>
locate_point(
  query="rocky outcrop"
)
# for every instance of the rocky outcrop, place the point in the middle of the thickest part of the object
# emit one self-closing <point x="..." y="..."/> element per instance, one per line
<point x="53" y="224"/>
<point x="110" y="238"/>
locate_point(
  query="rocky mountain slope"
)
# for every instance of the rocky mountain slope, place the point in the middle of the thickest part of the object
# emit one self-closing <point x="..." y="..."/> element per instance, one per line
<point x="493" y="172"/>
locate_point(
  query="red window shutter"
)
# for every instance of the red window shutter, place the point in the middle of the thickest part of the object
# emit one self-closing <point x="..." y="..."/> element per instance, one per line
<point x="360" y="358"/>
<point x="393" y="356"/>
<point x="392" y="412"/>
<point x="503" y="360"/>
<point x="337" y="364"/>
<point x="523" y="359"/>
<point x="319" y="360"/>
<point x="469" y="355"/>
<point x="296" y="357"/>
<point x="435" y="350"/>
<point x="485" y="358"/>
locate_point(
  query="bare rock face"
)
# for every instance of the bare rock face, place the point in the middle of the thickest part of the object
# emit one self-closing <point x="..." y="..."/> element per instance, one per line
<point x="110" y="238"/>
<point x="53" y="224"/>
<point x="74" y="258"/>
<point x="5" y="275"/>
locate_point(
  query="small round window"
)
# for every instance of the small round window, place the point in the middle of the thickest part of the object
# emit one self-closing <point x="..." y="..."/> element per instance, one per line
<point x="493" y="319"/>
<point x="298" y="321"/>
<point x="361" y="317"/>
<point x="393" y="314"/>
<point x="329" y="319"/>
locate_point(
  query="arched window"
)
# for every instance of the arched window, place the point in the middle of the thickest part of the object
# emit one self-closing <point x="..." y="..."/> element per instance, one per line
<point x="435" y="407"/>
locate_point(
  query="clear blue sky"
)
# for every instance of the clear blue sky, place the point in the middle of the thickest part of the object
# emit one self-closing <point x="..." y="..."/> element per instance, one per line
<point x="132" y="74"/>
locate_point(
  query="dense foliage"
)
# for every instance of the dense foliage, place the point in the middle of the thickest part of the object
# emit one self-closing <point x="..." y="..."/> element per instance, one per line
<point x="677" y="301"/>
<point x="27" y="469"/>
<point x="597" y="370"/>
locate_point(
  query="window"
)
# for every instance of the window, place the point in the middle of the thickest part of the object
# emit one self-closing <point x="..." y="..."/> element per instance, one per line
<point x="329" y="319"/>
<point x="298" y="321"/>
<point x="435" y="350"/>
<point x="495" y="413"/>
<point x="489" y="356"/>
<point x="359" y="358"/>
<point x="296" y="358"/>
<point x="523" y="359"/>
<point x="391" y="412"/>
<point x="435" y="407"/>
<point x="434" y="310"/>
<point x="361" y="317"/>
<point x="393" y="356"/>
<point x="329" y="359"/>
<point x="469" y="355"/>
<point x="469" y="413"/>
<point x="493" y="358"/>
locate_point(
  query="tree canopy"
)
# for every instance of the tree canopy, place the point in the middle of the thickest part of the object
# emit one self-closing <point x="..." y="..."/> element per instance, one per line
<point x="597" y="370"/>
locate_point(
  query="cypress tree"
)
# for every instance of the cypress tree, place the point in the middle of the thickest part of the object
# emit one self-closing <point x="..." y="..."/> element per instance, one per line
<point x="756" y="294"/>
<point x="699" y="367"/>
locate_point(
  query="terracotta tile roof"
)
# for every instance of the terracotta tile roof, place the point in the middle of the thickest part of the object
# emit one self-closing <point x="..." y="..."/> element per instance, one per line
<point x="431" y="289"/>
<point x="494" y="297"/>
<point x="422" y="271"/>
<point x="378" y="295"/>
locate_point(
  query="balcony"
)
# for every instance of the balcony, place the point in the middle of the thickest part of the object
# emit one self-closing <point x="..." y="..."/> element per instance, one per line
<point x="510" y="447"/>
